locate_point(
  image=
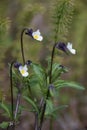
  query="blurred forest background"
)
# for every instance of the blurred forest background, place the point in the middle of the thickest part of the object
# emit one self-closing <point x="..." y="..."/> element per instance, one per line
<point x="36" y="14"/>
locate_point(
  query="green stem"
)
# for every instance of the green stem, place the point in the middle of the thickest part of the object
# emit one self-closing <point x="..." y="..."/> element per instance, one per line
<point x="29" y="90"/>
<point x="36" y="114"/>
<point x="36" y="121"/>
<point x="17" y="104"/>
<point x="50" y="81"/>
<point x="52" y="57"/>
<point x="12" y="100"/>
<point x="50" y="74"/>
<point x="11" y="86"/>
<point x="22" y="47"/>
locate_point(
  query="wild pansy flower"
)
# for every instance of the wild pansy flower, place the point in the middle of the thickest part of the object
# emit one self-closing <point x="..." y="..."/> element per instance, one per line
<point x="23" y="69"/>
<point x="62" y="46"/>
<point x="35" y="35"/>
<point x="69" y="47"/>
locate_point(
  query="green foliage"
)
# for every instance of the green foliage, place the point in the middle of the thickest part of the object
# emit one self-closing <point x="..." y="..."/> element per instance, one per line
<point x="63" y="84"/>
<point x="53" y="92"/>
<point x="39" y="71"/>
<point x="4" y="125"/>
<point x="51" y="110"/>
<point x="63" y="10"/>
<point x="6" y="108"/>
<point x="57" y="71"/>
<point x="32" y="103"/>
<point x="38" y="81"/>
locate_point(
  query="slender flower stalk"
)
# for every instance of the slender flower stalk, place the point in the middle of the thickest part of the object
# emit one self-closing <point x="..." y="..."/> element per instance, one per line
<point x="17" y="104"/>
<point x="12" y="101"/>
<point x="50" y="81"/>
<point x="11" y="85"/>
<point x="36" y="114"/>
<point x="63" y="47"/>
<point x="35" y="35"/>
<point x="36" y="121"/>
<point x="52" y="57"/>
<point x="24" y="71"/>
<point x="22" y="47"/>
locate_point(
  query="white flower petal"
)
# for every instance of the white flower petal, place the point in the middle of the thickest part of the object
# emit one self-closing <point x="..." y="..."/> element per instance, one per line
<point x="23" y="70"/>
<point x="40" y="38"/>
<point x="20" y="68"/>
<point x="36" y="35"/>
<point x="25" y="67"/>
<point x="25" y="74"/>
<point x="69" y="47"/>
<point x="38" y="32"/>
<point x="73" y="51"/>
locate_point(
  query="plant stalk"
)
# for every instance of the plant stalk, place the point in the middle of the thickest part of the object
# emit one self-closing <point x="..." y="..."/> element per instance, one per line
<point x="17" y="104"/>
<point x="12" y="100"/>
<point x="36" y="121"/>
<point x="11" y="86"/>
<point x="50" y="81"/>
<point x="22" y="47"/>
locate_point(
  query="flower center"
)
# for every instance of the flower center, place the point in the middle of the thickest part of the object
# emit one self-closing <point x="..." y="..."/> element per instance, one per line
<point x="36" y="36"/>
<point x="22" y="71"/>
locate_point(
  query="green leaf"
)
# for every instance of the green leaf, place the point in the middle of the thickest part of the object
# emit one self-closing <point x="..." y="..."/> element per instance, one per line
<point x="39" y="71"/>
<point x="38" y="79"/>
<point x="49" y="107"/>
<point x="55" y="67"/>
<point x="35" y="86"/>
<point x="53" y="92"/>
<point x="33" y="81"/>
<point x="59" y="108"/>
<point x="51" y="110"/>
<point x="31" y="102"/>
<point x="63" y="84"/>
<point x="4" y="125"/>
<point x="6" y="108"/>
<point x="57" y="70"/>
